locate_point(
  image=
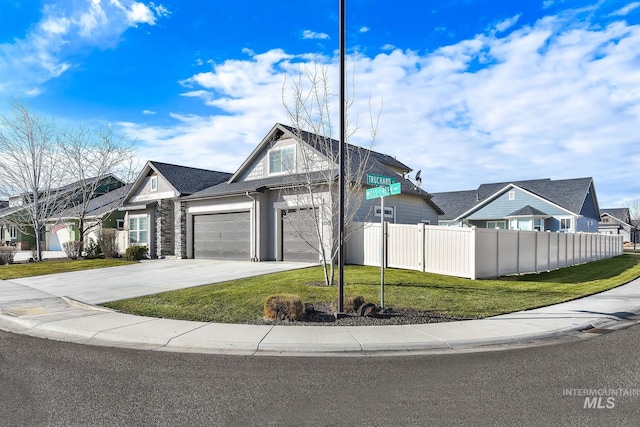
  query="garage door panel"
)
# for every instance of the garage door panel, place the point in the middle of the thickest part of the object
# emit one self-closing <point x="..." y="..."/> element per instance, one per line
<point x="222" y="236"/>
<point x="299" y="239"/>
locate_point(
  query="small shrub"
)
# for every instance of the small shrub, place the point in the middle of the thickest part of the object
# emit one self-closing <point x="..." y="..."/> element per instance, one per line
<point x="351" y="304"/>
<point x="92" y="250"/>
<point x="135" y="253"/>
<point x="7" y="254"/>
<point x="72" y="249"/>
<point x="107" y="240"/>
<point x="283" y="307"/>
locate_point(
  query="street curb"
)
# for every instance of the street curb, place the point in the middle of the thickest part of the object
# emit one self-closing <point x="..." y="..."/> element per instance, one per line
<point x="39" y="329"/>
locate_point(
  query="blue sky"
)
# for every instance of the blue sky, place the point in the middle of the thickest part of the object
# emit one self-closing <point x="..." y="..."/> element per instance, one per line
<point x="471" y="91"/>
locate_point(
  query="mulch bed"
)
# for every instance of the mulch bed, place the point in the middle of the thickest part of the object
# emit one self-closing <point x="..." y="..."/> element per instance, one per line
<point x="323" y="315"/>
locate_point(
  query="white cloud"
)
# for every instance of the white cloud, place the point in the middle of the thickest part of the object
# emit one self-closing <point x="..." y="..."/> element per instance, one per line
<point x="50" y="47"/>
<point x="308" y="34"/>
<point x="507" y="23"/>
<point x="148" y="112"/>
<point x="557" y="99"/>
<point x="364" y="29"/>
<point x="139" y="13"/>
<point x="623" y="11"/>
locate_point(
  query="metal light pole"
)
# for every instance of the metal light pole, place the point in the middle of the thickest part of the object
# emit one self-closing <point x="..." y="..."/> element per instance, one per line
<point x="343" y="134"/>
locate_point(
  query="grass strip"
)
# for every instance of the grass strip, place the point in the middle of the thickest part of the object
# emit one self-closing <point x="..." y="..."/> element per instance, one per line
<point x="243" y="300"/>
<point x="17" y="271"/>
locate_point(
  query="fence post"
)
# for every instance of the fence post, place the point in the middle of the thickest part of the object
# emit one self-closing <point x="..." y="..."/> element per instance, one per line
<point x="535" y="254"/>
<point x="422" y="249"/>
<point x="497" y="252"/>
<point x="518" y="252"/>
<point x="548" y="250"/>
<point x="472" y="254"/>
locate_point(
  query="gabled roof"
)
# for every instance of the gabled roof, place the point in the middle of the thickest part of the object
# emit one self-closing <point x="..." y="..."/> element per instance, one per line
<point x="619" y="214"/>
<point x="376" y="163"/>
<point x="100" y="205"/>
<point x="72" y="189"/>
<point x="568" y="194"/>
<point x="321" y="144"/>
<point x="527" y="211"/>
<point x="188" y="180"/>
<point x="185" y="180"/>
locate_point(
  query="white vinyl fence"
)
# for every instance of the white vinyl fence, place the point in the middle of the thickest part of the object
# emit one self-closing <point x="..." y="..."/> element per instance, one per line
<point x="476" y="253"/>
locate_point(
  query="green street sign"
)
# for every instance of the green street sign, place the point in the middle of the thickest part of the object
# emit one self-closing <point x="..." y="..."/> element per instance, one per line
<point x="377" y="192"/>
<point x="373" y="179"/>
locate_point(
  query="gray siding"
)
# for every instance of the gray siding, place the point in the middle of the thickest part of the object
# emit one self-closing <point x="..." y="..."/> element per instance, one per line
<point x="409" y="210"/>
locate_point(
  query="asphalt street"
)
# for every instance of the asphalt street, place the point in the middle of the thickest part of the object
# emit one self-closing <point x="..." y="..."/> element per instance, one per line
<point x="48" y="383"/>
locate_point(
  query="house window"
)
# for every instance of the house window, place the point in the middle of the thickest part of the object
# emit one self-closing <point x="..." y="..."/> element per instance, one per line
<point x="497" y="224"/>
<point x="154" y="183"/>
<point x="282" y="160"/>
<point x="538" y="224"/>
<point x="13" y="233"/>
<point x="565" y="224"/>
<point x="512" y="195"/>
<point x="389" y="212"/>
<point x="138" y="233"/>
<point x="120" y="224"/>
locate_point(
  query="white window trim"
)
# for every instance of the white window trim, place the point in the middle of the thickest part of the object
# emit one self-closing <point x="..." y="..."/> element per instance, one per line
<point x="13" y="233"/>
<point x="120" y="224"/>
<point x="389" y="212"/>
<point x="512" y="195"/>
<point x="503" y="222"/>
<point x="571" y="223"/>
<point x="138" y="231"/>
<point x="153" y="183"/>
<point x="281" y="148"/>
<point x="541" y="224"/>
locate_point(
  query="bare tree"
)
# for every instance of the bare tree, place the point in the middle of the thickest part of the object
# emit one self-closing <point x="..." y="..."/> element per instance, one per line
<point x="99" y="162"/>
<point x="314" y="173"/>
<point x="30" y="175"/>
<point x="634" y="213"/>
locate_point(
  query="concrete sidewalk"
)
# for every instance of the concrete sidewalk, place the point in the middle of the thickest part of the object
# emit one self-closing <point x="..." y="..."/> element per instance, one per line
<point x="27" y="306"/>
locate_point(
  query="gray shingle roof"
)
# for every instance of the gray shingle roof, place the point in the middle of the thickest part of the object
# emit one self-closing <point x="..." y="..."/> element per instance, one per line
<point x="567" y="193"/>
<point x="100" y="205"/>
<point x="320" y="143"/>
<point x="621" y="214"/>
<point x="376" y="163"/>
<point x="188" y="180"/>
<point x="527" y="211"/>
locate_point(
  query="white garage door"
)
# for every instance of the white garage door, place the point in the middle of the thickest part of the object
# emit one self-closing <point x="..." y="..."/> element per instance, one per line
<point x="222" y="236"/>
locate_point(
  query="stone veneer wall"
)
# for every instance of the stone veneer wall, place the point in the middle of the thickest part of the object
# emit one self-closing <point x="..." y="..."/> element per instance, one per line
<point x="180" y="228"/>
<point x="164" y="228"/>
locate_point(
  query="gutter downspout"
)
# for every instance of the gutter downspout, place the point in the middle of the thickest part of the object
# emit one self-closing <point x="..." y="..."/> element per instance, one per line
<point x="254" y="248"/>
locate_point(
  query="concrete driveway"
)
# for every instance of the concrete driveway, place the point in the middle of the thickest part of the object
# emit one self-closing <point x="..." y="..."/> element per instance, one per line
<point x="148" y="277"/>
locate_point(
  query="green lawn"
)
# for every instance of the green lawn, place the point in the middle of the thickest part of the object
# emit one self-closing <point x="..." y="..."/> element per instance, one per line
<point x="16" y="271"/>
<point x="242" y="300"/>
